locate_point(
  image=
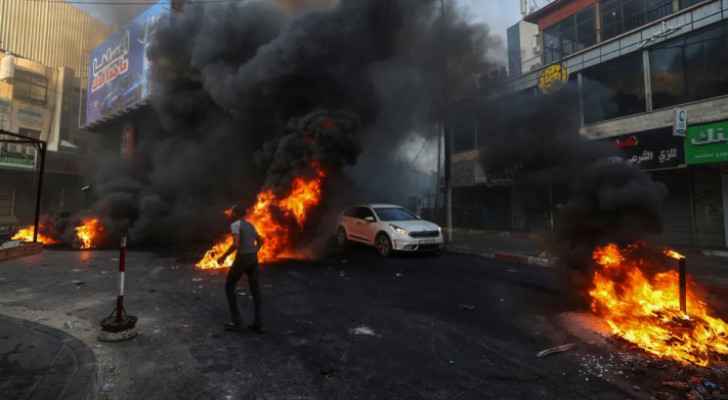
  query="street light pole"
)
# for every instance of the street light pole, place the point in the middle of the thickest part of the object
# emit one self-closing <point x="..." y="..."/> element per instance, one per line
<point x="447" y="145"/>
<point x="41" y="146"/>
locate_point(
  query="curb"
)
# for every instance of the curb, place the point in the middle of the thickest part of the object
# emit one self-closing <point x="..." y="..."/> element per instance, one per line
<point x="715" y="253"/>
<point x="506" y="257"/>
<point x="83" y="383"/>
<point x="23" y="250"/>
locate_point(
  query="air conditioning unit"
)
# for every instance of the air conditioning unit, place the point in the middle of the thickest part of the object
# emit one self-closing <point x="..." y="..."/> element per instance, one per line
<point x="7" y="67"/>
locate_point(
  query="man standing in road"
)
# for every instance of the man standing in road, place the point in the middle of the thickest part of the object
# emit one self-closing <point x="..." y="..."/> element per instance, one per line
<point x="247" y="243"/>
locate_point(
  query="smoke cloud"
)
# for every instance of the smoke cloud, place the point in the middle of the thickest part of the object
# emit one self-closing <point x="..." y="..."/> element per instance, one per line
<point x="608" y="199"/>
<point x="248" y="95"/>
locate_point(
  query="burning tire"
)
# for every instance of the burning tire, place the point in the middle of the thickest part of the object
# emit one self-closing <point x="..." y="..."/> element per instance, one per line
<point x="383" y="245"/>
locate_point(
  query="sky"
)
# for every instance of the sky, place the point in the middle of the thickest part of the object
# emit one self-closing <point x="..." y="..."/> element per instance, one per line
<point x="498" y="14"/>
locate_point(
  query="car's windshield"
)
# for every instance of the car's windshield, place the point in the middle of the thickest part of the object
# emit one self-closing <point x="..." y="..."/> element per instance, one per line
<point x="394" y="214"/>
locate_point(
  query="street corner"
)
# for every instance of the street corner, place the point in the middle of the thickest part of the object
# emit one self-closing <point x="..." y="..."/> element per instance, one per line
<point x="37" y="361"/>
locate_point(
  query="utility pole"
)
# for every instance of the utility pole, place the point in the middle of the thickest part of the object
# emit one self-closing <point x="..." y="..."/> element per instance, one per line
<point x="445" y="102"/>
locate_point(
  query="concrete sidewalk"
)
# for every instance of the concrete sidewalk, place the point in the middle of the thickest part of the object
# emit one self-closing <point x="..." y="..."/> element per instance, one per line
<point x="39" y="362"/>
<point x="709" y="267"/>
<point x="522" y="248"/>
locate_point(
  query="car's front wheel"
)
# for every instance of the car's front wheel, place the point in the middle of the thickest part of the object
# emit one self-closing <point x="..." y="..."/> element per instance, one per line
<point x="383" y="245"/>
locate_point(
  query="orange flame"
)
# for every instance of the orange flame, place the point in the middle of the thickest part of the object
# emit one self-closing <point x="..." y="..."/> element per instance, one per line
<point x="673" y="254"/>
<point x="26" y="235"/>
<point x="210" y="260"/>
<point x="305" y="194"/>
<point x="88" y="232"/>
<point x="645" y="310"/>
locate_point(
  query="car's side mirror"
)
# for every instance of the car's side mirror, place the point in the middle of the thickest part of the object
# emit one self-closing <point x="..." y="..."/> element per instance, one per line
<point x="369" y="219"/>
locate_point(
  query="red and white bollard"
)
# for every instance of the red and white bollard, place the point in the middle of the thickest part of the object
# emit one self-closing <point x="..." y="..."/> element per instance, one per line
<point x="122" y="270"/>
<point x="119" y="325"/>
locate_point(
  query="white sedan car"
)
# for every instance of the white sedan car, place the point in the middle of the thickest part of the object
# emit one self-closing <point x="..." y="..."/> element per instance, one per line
<point x="388" y="228"/>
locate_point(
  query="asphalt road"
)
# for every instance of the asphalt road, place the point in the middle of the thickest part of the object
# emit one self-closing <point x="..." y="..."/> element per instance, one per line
<point x="449" y="327"/>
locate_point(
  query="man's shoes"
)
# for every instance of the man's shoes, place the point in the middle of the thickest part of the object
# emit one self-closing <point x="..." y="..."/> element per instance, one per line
<point x="257" y="328"/>
<point x="233" y="327"/>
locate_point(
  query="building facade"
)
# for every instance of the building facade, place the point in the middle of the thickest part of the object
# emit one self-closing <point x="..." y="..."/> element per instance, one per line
<point x="636" y="63"/>
<point x="44" y="51"/>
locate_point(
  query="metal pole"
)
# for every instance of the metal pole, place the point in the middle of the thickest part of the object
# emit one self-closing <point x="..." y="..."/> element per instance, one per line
<point x="447" y="145"/>
<point x="122" y="271"/>
<point x="42" y="150"/>
<point x="683" y="286"/>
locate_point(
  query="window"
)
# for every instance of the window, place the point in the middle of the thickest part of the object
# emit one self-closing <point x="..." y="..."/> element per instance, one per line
<point x="363" y="213"/>
<point x="619" y="16"/>
<point x="394" y="214"/>
<point x="574" y="33"/>
<point x="614" y="89"/>
<point x="29" y="86"/>
<point x="690" y="68"/>
<point x="689" y="3"/>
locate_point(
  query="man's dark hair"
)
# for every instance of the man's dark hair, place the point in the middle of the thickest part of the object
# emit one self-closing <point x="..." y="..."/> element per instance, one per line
<point x="237" y="211"/>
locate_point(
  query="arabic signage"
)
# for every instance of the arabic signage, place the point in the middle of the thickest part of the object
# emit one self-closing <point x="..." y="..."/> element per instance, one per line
<point x="707" y="143"/>
<point x="119" y="71"/>
<point x="553" y="78"/>
<point x="649" y="150"/>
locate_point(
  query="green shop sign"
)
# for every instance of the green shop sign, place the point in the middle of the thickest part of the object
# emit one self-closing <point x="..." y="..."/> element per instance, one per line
<point x="707" y="143"/>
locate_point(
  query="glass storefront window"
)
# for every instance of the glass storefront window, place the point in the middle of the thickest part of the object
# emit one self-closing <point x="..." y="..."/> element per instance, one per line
<point x="574" y="33"/>
<point x="619" y="16"/>
<point x="690" y="68"/>
<point x="613" y="89"/>
<point x="688" y="3"/>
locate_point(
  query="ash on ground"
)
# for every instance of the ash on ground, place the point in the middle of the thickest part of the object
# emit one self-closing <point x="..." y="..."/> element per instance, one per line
<point x="617" y="361"/>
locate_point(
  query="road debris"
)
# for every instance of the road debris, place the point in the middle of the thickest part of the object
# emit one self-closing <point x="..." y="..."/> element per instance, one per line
<point x="363" y="331"/>
<point x="554" y="350"/>
<point x="467" y="307"/>
<point x="676" y="385"/>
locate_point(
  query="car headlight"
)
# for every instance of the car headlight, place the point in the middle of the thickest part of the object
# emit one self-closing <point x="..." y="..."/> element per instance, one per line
<point x="399" y="230"/>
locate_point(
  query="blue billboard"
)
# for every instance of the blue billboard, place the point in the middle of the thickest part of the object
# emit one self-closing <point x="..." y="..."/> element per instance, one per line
<point x="119" y="71"/>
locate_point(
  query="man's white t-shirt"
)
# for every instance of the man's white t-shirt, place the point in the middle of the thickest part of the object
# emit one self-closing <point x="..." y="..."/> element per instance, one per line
<point x="245" y="237"/>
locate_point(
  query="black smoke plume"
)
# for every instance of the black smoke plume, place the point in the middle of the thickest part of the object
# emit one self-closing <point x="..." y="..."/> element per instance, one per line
<point x="248" y="95"/>
<point x="609" y="200"/>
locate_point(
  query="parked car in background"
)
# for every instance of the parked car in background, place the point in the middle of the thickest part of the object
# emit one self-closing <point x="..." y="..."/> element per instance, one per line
<point x="388" y="228"/>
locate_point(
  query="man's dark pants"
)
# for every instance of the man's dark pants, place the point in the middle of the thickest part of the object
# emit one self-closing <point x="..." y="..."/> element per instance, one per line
<point x="244" y="264"/>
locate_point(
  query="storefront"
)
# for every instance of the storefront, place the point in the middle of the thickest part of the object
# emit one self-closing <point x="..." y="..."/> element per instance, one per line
<point x="706" y="152"/>
<point x="662" y="155"/>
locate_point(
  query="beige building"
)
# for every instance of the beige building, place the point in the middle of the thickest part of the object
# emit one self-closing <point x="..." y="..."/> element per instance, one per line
<point x="53" y="33"/>
<point x="44" y="51"/>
